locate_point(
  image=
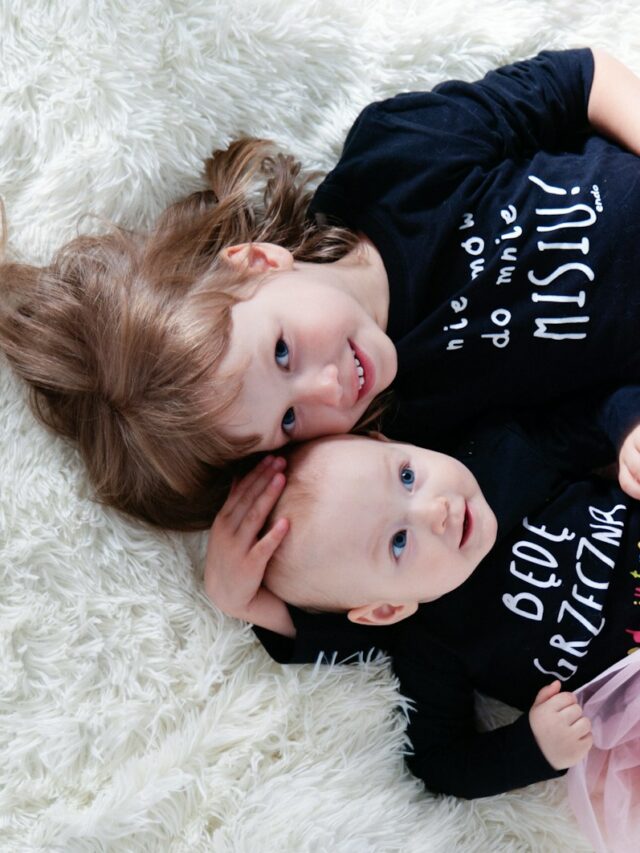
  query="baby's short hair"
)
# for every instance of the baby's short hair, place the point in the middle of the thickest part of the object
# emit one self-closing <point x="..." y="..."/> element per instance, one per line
<point x="296" y="572"/>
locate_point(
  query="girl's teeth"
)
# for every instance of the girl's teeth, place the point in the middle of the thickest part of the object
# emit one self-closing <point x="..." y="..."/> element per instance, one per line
<point x="359" y="370"/>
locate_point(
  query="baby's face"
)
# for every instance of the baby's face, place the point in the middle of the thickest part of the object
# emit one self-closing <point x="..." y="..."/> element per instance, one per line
<point x="395" y="523"/>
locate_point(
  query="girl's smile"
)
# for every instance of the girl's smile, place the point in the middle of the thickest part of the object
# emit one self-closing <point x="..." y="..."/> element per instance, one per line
<point x="310" y="353"/>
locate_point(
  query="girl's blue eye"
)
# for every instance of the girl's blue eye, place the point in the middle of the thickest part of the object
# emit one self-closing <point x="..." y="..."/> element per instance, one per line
<point x="282" y="353"/>
<point x="289" y="420"/>
<point x="398" y="543"/>
<point x="407" y="476"/>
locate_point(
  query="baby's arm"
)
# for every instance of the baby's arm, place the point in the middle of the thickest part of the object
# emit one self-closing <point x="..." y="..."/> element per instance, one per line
<point x="614" y="101"/>
<point x="449" y="754"/>
<point x="237" y="558"/>
<point x="559" y="727"/>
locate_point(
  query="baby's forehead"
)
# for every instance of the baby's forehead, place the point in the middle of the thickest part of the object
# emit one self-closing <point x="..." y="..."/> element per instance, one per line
<point x="344" y="467"/>
<point x="346" y="452"/>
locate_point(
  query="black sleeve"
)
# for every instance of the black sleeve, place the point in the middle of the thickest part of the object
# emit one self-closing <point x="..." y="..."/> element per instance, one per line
<point x="448" y="753"/>
<point x="585" y="433"/>
<point x="620" y="413"/>
<point x="537" y="104"/>
<point x="427" y="141"/>
<point x="328" y="637"/>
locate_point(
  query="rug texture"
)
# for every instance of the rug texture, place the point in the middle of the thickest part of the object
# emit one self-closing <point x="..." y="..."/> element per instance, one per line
<point x="133" y="715"/>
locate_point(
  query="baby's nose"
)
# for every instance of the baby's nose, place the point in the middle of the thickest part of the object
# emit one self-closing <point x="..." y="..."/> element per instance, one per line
<point x="436" y="514"/>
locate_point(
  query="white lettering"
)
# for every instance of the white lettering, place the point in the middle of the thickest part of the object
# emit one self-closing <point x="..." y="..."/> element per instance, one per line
<point x="459" y="305"/>
<point x="555" y="211"/>
<point x="580" y="299"/>
<point x="473" y="246"/>
<point x="498" y="339"/>
<point x="562" y="662"/>
<point x="571" y="647"/>
<point x="552" y="580"/>
<point x="515" y="603"/>
<point x="543" y="322"/>
<point x="509" y="214"/>
<point x="587" y="581"/>
<point x="505" y="275"/>
<point x="590" y="601"/>
<point x="584" y="543"/>
<point x="459" y="325"/>
<point x="565" y="536"/>
<point x="607" y="517"/>
<point x="477" y="267"/>
<point x="567" y="607"/>
<point x="540" y="556"/>
<point x="582" y="246"/>
<point x="543" y="282"/>
<point x="547" y="187"/>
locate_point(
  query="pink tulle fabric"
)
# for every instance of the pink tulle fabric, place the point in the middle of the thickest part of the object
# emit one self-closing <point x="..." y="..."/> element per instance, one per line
<point x="604" y="788"/>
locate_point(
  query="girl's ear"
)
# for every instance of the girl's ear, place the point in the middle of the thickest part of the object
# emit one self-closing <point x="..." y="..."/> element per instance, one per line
<point x="382" y="613"/>
<point x="258" y="258"/>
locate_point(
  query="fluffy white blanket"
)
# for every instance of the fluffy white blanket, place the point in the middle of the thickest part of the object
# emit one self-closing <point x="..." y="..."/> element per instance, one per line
<point x="133" y="715"/>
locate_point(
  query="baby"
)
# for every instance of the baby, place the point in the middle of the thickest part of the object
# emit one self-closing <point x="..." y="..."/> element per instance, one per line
<point x="382" y="531"/>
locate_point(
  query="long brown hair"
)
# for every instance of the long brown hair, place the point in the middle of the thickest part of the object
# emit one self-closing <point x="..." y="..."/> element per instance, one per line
<point x="120" y="335"/>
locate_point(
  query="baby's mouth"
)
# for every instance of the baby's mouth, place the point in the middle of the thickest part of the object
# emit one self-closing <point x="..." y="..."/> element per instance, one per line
<point x="467" y="526"/>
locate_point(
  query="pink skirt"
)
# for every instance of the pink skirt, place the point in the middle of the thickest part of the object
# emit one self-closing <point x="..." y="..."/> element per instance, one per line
<point x="604" y="788"/>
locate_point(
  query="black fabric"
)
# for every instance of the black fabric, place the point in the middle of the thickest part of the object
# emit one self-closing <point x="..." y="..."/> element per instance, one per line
<point x="509" y="234"/>
<point x="555" y="599"/>
<point x="491" y="203"/>
<point x="572" y="562"/>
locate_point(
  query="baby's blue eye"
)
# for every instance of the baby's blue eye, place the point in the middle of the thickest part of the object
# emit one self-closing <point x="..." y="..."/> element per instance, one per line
<point x="398" y="543"/>
<point x="407" y="476"/>
<point x="289" y="420"/>
<point x="282" y="353"/>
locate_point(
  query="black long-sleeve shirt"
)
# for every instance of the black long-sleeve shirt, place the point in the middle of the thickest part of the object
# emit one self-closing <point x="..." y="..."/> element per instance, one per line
<point x="532" y="611"/>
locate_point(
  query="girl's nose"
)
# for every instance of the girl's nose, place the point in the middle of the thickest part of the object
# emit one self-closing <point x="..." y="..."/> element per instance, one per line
<point x="323" y="386"/>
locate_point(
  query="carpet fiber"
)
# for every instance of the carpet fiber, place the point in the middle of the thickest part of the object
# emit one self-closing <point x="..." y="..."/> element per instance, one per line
<point x="133" y="715"/>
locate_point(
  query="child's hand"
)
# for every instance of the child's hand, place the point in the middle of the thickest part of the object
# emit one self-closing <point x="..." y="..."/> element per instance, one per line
<point x="560" y="730"/>
<point x="237" y="559"/>
<point x="629" y="464"/>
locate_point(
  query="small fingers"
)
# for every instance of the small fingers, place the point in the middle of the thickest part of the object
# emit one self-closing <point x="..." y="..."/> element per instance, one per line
<point x="564" y="700"/>
<point x="265" y="548"/>
<point x="547" y="692"/>
<point x="240" y="485"/>
<point x="582" y="727"/>
<point x="251" y="523"/>
<point x="572" y="714"/>
<point x="252" y="487"/>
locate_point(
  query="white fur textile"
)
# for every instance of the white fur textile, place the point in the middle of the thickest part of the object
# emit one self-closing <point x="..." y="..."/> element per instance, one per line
<point x="133" y="715"/>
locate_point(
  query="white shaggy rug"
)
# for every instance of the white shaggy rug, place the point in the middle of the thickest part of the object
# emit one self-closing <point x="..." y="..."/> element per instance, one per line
<point x="133" y="715"/>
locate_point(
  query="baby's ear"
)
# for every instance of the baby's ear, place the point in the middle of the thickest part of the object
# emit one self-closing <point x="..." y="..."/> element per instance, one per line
<point x="379" y="436"/>
<point x="381" y="613"/>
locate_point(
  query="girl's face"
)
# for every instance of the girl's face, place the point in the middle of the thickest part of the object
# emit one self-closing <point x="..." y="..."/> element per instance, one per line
<point x="311" y="358"/>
